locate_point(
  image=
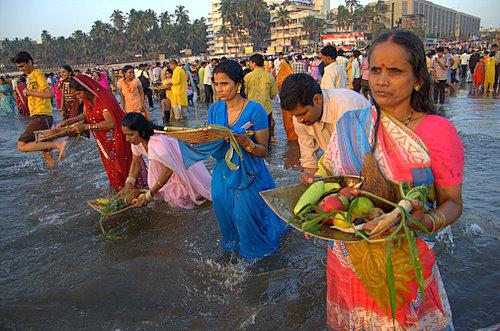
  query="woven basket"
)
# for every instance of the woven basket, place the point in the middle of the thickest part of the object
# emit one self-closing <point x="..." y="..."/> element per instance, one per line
<point x="50" y="134"/>
<point x="98" y="207"/>
<point x="195" y="136"/>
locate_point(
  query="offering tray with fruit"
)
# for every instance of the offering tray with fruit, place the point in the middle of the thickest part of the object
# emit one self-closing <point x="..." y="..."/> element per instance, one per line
<point x="328" y="209"/>
<point x="282" y="201"/>
<point x="334" y="208"/>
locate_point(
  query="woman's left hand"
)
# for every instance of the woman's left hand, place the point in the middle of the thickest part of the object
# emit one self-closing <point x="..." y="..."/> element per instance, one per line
<point x="418" y="213"/>
<point x="141" y="200"/>
<point x="78" y="127"/>
<point x="242" y="139"/>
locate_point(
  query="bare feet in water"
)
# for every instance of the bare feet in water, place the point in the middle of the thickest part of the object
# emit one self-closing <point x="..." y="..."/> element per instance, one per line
<point x="61" y="147"/>
<point x="51" y="162"/>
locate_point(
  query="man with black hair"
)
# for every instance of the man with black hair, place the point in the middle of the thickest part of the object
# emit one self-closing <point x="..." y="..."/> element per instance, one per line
<point x="261" y="87"/>
<point x="208" y="81"/>
<point x="40" y="109"/>
<point x="335" y="76"/>
<point x="299" y="66"/>
<point x="315" y="113"/>
<point x="143" y="76"/>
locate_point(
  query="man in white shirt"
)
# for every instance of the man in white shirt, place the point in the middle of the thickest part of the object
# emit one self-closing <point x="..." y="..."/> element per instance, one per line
<point x="341" y="59"/>
<point x="208" y="81"/>
<point x="464" y="64"/>
<point x="157" y="73"/>
<point x="315" y="113"/>
<point x="335" y="76"/>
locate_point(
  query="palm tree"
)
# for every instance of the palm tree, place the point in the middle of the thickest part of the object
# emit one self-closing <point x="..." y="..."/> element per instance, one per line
<point x="181" y="15"/>
<point x="118" y="20"/>
<point x="165" y="20"/>
<point x="343" y="18"/>
<point x="224" y="32"/>
<point x="309" y="28"/>
<point x="352" y="4"/>
<point x="282" y="16"/>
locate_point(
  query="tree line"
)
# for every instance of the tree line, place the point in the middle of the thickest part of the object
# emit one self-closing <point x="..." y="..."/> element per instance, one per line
<point x="138" y="33"/>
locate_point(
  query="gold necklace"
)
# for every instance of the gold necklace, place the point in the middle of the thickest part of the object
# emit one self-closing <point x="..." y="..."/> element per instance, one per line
<point x="239" y="113"/>
<point x="408" y="119"/>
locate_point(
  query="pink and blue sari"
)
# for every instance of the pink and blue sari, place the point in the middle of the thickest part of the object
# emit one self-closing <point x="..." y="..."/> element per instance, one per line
<point x="357" y="291"/>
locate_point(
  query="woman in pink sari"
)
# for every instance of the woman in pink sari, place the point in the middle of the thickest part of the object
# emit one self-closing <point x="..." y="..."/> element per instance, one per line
<point x="168" y="178"/>
<point x="410" y="144"/>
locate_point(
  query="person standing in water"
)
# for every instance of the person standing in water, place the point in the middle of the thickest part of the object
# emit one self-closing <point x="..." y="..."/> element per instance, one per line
<point x="247" y="224"/>
<point x="40" y="109"/>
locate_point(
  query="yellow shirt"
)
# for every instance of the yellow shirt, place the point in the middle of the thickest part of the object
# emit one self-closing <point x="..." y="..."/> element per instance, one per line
<point x="179" y="88"/>
<point x="168" y="92"/>
<point x="260" y="87"/>
<point x="38" y="83"/>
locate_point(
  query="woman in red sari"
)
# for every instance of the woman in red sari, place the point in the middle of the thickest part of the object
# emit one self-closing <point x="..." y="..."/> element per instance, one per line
<point x="102" y="116"/>
<point x="20" y="89"/>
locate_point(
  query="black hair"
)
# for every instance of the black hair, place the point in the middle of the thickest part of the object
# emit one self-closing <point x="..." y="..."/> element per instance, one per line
<point x="223" y="58"/>
<point x="298" y="90"/>
<point x="299" y="57"/>
<point x="440" y="49"/>
<point x="203" y="62"/>
<point x="492" y="54"/>
<point x="22" y="56"/>
<point x="74" y="84"/>
<point x="127" y="68"/>
<point x="356" y="53"/>
<point x="233" y="70"/>
<point x="330" y="51"/>
<point x="243" y="63"/>
<point x="340" y="52"/>
<point x="2" y="78"/>
<point x="157" y="63"/>
<point x="414" y="48"/>
<point x="137" y="122"/>
<point x="68" y="69"/>
<point x="258" y="59"/>
<point x="23" y="79"/>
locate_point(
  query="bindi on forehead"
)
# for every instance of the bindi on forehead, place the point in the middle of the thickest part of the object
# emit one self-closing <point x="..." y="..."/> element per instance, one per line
<point x="382" y="65"/>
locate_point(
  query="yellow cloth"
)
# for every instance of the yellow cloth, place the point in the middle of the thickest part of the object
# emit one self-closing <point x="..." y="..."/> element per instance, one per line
<point x="179" y="88"/>
<point x="168" y="92"/>
<point x="261" y="87"/>
<point x="489" y="70"/>
<point x="38" y="83"/>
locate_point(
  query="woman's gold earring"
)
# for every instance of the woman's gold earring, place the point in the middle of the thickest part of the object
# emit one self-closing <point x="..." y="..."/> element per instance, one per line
<point x="417" y="88"/>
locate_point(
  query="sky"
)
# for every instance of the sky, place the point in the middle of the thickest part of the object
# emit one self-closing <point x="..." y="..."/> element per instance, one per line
<point x="27" y="18"/>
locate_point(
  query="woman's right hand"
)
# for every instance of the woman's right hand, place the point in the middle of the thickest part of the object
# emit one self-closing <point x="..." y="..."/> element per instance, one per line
<point x="125" y="190"/>
<point x="62" y="124"/>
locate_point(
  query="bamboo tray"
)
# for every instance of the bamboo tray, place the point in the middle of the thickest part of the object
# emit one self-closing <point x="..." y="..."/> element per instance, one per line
<point x="282" y="200"/>
<point x="99" y="208"/>
<point x="50" y="134"/>
<point x="195" y="136"/>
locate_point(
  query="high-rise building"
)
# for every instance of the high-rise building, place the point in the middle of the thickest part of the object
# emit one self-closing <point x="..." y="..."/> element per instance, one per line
<point x="434" y="20"/>
<point x="292" y="33"/>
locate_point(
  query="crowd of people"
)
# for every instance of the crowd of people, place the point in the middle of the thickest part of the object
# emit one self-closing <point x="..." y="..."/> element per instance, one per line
<point x="374" y="104"/>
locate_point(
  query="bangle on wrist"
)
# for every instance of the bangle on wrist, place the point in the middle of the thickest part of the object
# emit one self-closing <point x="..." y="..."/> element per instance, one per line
<point x="250" y="147"/>
<point x="433" y="220"/>
<point x="131" y="180"/>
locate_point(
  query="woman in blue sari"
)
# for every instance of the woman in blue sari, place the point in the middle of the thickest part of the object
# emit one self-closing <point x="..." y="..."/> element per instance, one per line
<point x="247" y="224"/>
<point x="7" y="103"/>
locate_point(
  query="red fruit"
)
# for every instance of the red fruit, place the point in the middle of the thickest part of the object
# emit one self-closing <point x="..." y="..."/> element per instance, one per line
<point x="331" y="202"/>
<point x="347" y="192"/>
